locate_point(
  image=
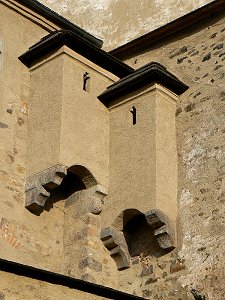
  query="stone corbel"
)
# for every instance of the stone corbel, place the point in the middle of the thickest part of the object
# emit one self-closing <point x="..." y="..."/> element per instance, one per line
<point x="97" y="202"/>
<point x="38" y="186"/>
<point x="157" y="221"/>
<point x="115" y="242"/>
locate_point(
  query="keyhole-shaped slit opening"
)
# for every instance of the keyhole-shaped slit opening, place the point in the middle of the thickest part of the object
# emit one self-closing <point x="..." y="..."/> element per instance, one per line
<point x="86" y="82"/>
<point x="134" y="115"/>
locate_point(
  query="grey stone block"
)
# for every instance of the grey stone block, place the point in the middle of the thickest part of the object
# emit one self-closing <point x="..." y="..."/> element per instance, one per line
<point x="38" y="186"/>
<point x="115" y="242"/>
<point x="158" y="221"/>
<point x="90" y="262"/>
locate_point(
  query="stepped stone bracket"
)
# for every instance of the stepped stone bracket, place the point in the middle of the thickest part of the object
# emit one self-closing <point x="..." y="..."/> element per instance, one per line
<point x="115" y="242"/>
<point x="38" y="186"/>
<point x="157" y="220"/>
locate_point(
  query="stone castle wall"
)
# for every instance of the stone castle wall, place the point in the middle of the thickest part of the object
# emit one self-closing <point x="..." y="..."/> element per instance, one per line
<point x="197" y="57"/>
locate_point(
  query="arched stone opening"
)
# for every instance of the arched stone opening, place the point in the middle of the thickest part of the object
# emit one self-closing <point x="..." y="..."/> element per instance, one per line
<point x="77" y="178"/>
<point x="54" y="184"/>
<point x="140" y="238"/>
<point x="124" y="217"/>
<point x="84" y="174"/>
<point x="134" y="233"/>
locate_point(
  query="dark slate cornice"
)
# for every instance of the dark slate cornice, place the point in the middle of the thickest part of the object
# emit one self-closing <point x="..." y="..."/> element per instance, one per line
<point x="144" y="42"/>
<point x="150" y="73"/>
<point x="62" y="22"/>
<point x="58" y="279"/>
<point x="80" y="45"/>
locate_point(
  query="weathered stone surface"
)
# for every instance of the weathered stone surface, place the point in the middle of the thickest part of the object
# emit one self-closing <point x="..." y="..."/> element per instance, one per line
<point x="200" y="144"/>
<point x="163" y="237"/>
<point x="21" y="287"/>
<point x="177" y="265"/>
<point x="218" y="46"/>
<point x="50" y="178"/>
<point x="197" y="295"/>
<point x="113" y="26"/>
<point x="180" y="51"/>
<point x="36" y="198"/>
<point x="90" y="262"/>
<point x="155" y="218"/>
<point x="157" y="221"/>
<point x="3" y="125"/>
<point x="200" y="138"/>
<point x="90" y="200"/>
<point x="115" y="242"/>
<point x="38" y="186"/>
<point x="88" y="277"/>
<point x="2" y="296"/>
<point x="151" y="280"/>
<point x="206" y="57"/>
<point x="147" y="271"/>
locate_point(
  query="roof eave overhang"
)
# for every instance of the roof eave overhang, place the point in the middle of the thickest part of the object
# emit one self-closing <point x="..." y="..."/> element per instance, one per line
<point x="144" y="42"/>
<point x="61" y="38"/>
<point x="141" y="78"/>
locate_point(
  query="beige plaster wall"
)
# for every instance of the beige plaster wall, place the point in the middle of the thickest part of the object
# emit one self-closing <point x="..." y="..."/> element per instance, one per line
<point x="117" y="22"/>
<point x="85" y="120"/>
<point x="23" y="237"/>
<point x="14" y="287"/>
<point x="68" y="125"/>
<point x="143" y="156"/>
<point x="38" y="240"/>
<point x="44" y="115"/>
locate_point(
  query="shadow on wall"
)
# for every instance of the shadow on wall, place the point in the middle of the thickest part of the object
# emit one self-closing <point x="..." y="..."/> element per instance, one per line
<point x="78" y="178"/>
<point x="140" y="238"/>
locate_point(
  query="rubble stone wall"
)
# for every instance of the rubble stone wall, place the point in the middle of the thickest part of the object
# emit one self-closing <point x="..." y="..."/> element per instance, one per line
<point x="197" y="57"/>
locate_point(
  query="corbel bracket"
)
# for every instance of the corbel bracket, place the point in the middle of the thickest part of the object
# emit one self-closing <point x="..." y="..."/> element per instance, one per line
<point x="157" y="221"/>
<point x="115" y="242"/>
<point x="38" y="186"/>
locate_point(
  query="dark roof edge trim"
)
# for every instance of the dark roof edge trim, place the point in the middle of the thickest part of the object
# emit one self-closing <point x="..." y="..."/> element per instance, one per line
<point x="62" y="22"/>
<point x="58" y="279"/>
<point x="140" y="78"/>
<point x="142" y="42"/>
<point x="57" y="39"/>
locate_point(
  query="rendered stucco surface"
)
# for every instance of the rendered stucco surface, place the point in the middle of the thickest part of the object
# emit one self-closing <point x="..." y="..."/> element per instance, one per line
<point x="23" y="237"/>
<point x="120" y="21"/>
<point x="143" y="157"/>
<point x="14" y="287"/>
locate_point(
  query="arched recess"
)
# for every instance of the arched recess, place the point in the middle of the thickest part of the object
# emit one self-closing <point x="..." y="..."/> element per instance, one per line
<point x="77" y="178"/>
<point x="55" y="184"/>
<point x="84" y="174"/>
<point x="134" y="233"/>
<point x="124" y="217"/>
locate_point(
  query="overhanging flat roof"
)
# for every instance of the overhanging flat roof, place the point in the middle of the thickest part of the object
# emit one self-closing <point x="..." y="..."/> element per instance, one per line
<point x="62" y="22"/>
<point x="80" y="45"/>
<point x="145" y="41"/>
<point x="150" y="73"/>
